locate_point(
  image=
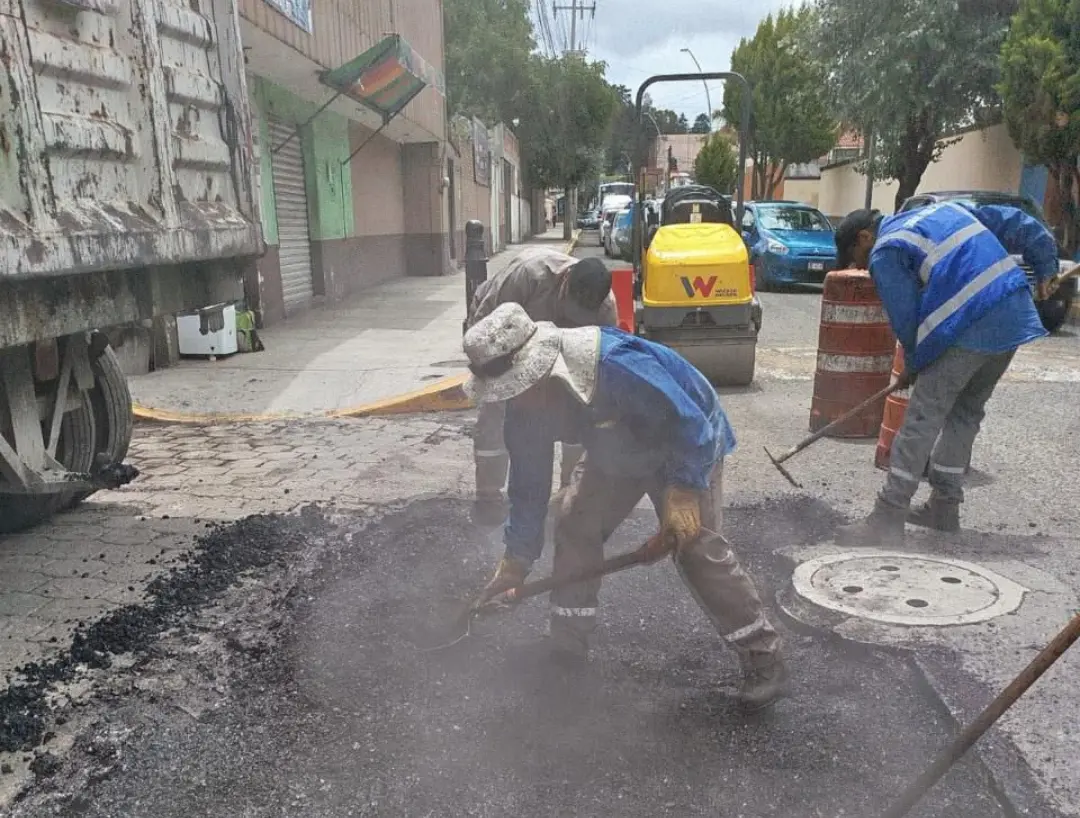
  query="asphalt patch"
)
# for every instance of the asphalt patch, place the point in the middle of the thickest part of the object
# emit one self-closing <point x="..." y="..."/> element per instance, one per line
<point x="345" y="717"/>
<point x="214" y="563"/>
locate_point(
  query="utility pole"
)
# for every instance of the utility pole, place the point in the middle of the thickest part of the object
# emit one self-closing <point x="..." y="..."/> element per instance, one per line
<point x="575" y="8"/>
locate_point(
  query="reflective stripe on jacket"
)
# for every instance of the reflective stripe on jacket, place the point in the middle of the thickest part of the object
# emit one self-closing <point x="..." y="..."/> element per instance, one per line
<point x="963" y="272"/>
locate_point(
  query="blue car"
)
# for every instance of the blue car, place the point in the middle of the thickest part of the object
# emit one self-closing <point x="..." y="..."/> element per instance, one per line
<point x="790" y="243"/>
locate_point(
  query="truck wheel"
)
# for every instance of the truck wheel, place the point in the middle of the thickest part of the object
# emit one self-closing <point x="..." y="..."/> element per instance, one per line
<point x="113" y="418"/>
<point x="75" y="449"/>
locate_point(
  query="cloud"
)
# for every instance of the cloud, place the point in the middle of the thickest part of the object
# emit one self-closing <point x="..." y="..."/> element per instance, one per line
<point x="639" y="38"/>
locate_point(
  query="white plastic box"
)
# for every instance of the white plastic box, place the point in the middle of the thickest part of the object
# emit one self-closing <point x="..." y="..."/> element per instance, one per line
<point x="192" y="342"/>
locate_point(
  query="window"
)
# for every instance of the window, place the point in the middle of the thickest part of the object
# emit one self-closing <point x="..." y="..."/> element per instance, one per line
<point x="748" y="220"/>
<point x="793" y="218"/>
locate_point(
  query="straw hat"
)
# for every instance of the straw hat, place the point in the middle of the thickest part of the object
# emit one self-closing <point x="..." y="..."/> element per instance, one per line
<point x="509" y="353"/>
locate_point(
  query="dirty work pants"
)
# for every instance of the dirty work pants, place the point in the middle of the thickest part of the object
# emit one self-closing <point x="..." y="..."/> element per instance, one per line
<point x="948" y="399"/>
<point x="589" y="512"/>
<point x="492" y="459"/>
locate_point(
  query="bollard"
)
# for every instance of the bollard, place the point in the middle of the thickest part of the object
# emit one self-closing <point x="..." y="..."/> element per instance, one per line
<point x="475" y="263"/>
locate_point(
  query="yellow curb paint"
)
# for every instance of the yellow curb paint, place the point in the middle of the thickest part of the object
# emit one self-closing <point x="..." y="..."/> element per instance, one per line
<point x="447" y="395"/>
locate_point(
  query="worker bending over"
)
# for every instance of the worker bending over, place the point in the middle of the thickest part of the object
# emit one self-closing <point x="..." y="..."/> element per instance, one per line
<point x="551" y="286"/>
<point x="960" y="306"/>
<point x="651" y="424"/>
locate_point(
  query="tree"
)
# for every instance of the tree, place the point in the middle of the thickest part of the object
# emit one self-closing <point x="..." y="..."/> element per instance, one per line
<point x="910" y="71"/>
<point x="790" y="119"/>
<point x="702" y="124"/>
<point x="717" y="165"/>
<point x="1040" y="86"/>
<point x="683" y="126"/>
<point x="564" y="121"/>
<point x="488" y="48"/>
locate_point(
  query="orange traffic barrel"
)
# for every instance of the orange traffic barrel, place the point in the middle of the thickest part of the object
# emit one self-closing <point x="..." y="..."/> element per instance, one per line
<point x="622" y="285"/>
<point x="893" y="416"/>
<point x="855" y="350"/>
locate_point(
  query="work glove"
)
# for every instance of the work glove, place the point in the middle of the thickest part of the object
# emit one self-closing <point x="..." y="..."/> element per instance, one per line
<point x="510" y="573"/>
<point x="680" y="522"/>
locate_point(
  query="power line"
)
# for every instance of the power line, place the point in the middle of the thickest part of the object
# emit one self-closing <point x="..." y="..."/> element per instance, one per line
<point x="576" y="8"/>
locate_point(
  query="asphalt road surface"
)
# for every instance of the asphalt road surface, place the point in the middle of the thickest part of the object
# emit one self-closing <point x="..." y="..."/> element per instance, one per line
<point x="327" y="708"/>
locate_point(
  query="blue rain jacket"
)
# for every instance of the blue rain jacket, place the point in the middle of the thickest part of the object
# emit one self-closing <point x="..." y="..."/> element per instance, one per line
<point x="945" y="276"/>
<point x="653" y="416"/>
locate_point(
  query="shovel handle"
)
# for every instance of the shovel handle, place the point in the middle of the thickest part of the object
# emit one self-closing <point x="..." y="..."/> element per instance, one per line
<point x="848" y="415"/>
<point x="542" y="586"/>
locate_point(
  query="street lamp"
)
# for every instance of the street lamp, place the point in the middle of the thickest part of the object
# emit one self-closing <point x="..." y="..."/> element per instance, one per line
<point x="708" y="99"/>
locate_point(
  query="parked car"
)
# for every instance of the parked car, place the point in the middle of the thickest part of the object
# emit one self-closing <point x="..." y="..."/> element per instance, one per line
<point x="1054" y="310"/>
<point x="619" y="244"/>
<point x="589" y="220"/>
<point x="612" y="205"/>
<point x="789" y="243"/>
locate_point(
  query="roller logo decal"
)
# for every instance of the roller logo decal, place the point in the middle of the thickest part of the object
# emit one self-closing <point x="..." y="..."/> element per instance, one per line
<point x="705" y="288"/>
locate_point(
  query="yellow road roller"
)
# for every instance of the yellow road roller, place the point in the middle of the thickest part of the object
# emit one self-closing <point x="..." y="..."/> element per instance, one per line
<point x="693" y="279"/>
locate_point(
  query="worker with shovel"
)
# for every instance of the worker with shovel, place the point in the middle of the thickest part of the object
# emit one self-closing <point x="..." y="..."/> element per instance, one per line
<point x="651" y="424"/>
<point x="960" y="306"/>
<point x="551" y="286"/>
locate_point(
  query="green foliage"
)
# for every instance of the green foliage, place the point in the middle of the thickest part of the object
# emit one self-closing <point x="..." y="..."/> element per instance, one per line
<point x="790" y="120"/>
<point x="702" y="124"/>
<point x="565" y="120"/>
<point x="717" y="165"/>
<point x="489" y="44"/>
<point x="913" y="71"/>
<point x="1040" y="86"/>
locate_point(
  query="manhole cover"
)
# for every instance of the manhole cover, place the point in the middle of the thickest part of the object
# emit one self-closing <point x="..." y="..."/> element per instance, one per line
<point x="906" y="589"/>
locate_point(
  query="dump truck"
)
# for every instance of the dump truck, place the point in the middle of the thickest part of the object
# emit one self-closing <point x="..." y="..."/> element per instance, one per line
<point x="127" y="192"/>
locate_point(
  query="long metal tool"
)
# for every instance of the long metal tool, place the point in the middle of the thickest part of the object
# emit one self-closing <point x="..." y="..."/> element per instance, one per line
<point x="974" y="731"/>
<point x="820" y="433"/>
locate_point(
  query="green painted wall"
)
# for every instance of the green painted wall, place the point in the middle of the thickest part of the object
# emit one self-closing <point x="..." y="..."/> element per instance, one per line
<point x="325" y="144"/>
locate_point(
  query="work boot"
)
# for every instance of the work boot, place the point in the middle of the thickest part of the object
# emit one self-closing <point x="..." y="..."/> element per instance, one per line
<point x="510" y="573"/>
<point x="764" y="684"/>
<point x="938" y="514"/>
<point x="883" y="527"/>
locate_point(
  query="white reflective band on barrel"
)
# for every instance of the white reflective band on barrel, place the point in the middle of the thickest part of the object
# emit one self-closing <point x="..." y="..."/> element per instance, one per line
<point x="557" y="611"/>
<point x="947" y="246"/>
<point x="854" y="363"/>
<point x="752" y="629"/>
<point x="852" y="313"/>
<point x="489" y="452"/>
<point x="966" y="293"/>
<point x="948" y="469"/>
<point x="903" y="475"/>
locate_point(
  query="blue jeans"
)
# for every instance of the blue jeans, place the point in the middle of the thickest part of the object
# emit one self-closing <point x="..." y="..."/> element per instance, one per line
<point x="530" y="440"/>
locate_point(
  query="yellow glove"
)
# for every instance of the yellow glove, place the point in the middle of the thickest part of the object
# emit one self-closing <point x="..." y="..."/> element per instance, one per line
<point x="680" y="522"/>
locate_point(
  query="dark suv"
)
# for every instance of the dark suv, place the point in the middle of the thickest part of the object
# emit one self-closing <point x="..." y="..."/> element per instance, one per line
<point x="1055" y="309"/>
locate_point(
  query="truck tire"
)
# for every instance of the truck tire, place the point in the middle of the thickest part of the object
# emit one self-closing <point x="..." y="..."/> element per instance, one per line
<point x="75" y="450"/>
<point x="113" y="418"/>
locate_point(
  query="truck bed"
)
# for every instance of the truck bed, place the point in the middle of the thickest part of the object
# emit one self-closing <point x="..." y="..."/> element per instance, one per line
<point x="125" y="136"/>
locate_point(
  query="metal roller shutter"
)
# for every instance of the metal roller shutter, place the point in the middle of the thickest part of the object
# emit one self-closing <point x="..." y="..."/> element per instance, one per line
<point x="291" y="207"/>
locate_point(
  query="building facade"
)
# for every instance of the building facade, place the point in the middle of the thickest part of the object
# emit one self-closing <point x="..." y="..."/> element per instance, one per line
<point x="350" y="196"/>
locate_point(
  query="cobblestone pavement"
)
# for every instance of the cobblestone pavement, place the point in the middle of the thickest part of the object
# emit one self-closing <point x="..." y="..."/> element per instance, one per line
<point x="101" y="555"/>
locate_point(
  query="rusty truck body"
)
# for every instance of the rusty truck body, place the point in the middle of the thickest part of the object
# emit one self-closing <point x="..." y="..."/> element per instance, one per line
<point x="126" y="192"/>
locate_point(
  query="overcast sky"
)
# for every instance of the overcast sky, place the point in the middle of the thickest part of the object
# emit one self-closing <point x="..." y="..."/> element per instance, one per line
<point x="639" y="38"/>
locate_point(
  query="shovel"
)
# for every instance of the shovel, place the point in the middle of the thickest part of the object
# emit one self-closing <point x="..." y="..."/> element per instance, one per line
<point x="820" y="433"/>
<point x="651" y="551"/>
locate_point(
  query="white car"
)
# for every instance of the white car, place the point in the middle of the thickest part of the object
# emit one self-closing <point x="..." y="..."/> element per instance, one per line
<point x="612" y="205"/>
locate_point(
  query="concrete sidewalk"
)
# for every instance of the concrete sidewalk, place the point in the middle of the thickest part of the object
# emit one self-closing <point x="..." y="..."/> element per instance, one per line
<point x="398" y="340"/>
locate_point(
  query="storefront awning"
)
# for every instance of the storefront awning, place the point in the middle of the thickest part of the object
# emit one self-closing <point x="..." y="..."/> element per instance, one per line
<point x="386" y="77"/>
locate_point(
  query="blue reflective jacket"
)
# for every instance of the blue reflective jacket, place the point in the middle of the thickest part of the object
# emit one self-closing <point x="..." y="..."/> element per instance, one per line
<point x="653" y="415"/>
<point x="942" y="269"/>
